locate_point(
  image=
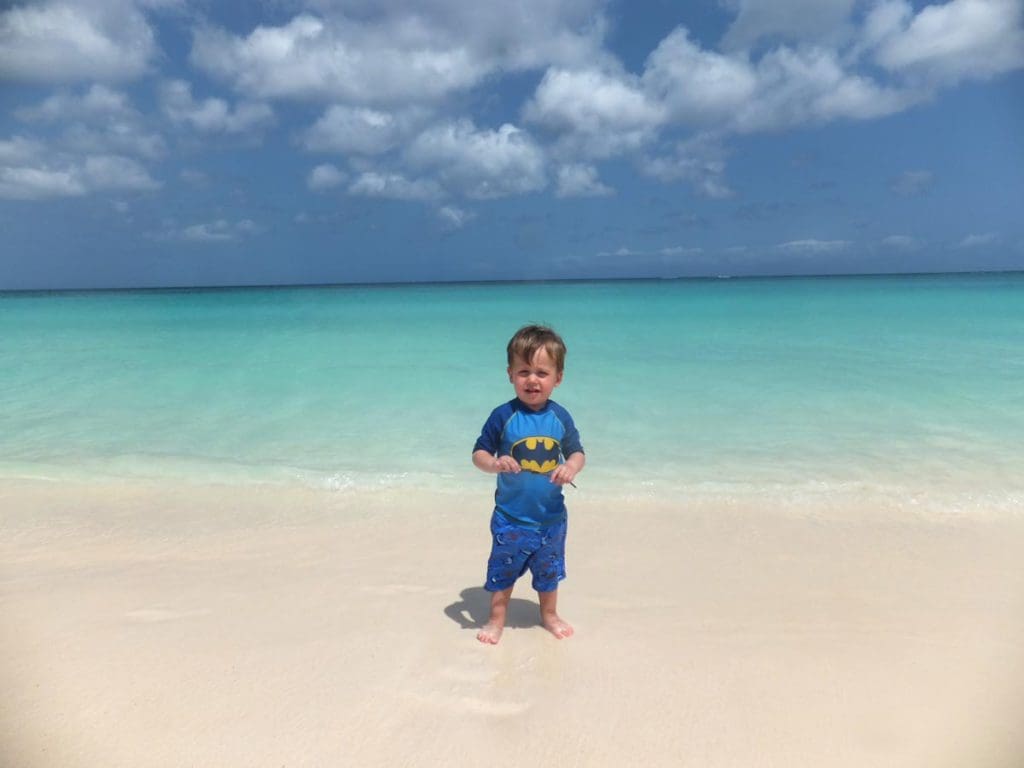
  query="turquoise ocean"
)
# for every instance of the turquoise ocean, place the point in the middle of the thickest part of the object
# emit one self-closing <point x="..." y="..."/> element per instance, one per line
<point x="904" y="391"/>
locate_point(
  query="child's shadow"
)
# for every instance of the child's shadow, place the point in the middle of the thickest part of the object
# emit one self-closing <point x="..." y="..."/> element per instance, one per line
<point x="474" y="609"/>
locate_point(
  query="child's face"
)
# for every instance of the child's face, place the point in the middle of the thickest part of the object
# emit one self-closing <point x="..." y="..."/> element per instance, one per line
<point x="534" y="380"/>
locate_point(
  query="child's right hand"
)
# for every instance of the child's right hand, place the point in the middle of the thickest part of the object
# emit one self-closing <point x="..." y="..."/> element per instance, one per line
<point x="507" y="464"/>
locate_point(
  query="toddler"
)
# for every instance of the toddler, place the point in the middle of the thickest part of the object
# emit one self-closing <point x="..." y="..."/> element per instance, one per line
<point x="533" y="446"/>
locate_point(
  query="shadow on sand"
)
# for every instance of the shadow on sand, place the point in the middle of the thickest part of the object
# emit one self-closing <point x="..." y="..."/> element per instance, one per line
<point x="474" y="608"/>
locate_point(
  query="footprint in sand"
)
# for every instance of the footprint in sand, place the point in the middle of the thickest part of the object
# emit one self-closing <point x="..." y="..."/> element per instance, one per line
<point x="470" y="689"/>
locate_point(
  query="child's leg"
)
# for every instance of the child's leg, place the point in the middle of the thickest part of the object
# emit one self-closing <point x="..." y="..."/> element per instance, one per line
<point x="491" y="631"/>
<point x="549" y="615"/>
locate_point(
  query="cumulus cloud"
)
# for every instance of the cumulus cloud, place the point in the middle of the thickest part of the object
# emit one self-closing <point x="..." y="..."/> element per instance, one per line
<point x="211" y="115"/>
<point x="979" y="241"/>
<point x="580" y="180"/>
<point x="480" y="164"/>
<point x="672" y="252"/>
<point x="945" y="44"/>
<point x="812" y="247"/>
<point x="114" y="172"/>
<point x="621" y="252"/>
<point x="394" y="186"/>
<point x="19" y="149"/>
<point x="699" y="161"/>
<point x="912" y="183"/>
<point x="809" y="86"/>
<point x="30" y="170"/>
<point x="360" y="130"/>
<point x="29" y="183"/>
<point x="217" y="231"/>
<point x="788" y="20"/>
<point x="105" y="40"/>
<point x="100" y="120"/>
<point x="396" y="53"/>
<point x="679" y="250"/>
<point x="696" y="86"/>
<point x="599" y="113"/>
<point x="452" y="217"/>
<point x="98" y="102"/>
<point x="325" y="176"/>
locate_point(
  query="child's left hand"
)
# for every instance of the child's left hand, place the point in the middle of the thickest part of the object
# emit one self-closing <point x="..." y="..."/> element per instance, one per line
<point x="563" y="474"/>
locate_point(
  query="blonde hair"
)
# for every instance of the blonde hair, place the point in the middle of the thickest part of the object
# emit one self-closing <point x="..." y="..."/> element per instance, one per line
<point x="531" y="338"/>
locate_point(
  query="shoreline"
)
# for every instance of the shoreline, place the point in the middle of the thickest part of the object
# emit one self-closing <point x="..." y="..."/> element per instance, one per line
<point x="147" y="625"/>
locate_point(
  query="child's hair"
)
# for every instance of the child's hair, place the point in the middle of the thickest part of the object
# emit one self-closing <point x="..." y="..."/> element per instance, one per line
<point x="531" y="338"/>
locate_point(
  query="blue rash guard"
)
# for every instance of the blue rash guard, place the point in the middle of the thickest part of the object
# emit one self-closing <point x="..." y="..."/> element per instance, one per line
<point x="539" y="441"/>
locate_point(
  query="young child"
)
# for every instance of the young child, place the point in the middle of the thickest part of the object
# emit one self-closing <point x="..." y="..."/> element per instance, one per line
<point x="534" y="447"/>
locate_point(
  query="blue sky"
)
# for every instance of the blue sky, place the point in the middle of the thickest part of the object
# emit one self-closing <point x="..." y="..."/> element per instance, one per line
<point x="168" y="142"/>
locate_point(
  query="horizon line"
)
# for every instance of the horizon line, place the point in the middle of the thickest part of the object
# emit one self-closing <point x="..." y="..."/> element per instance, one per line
<point x="524" y="281"/>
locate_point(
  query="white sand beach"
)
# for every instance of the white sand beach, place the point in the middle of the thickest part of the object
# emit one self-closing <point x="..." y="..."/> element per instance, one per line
<point x="157" y="626"/>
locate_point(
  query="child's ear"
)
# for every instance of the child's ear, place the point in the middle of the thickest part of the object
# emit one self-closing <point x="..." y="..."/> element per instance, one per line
<point x="509" y="372"/>
<point x="558" y="378"/>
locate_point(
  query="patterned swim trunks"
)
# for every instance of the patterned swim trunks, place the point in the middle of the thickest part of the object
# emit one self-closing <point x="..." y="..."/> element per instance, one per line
<point x="515" y="549"/>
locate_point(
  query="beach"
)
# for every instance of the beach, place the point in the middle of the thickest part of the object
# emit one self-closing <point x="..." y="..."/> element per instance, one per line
<point x="149" y="625"/>
<point x="241" y="527"/>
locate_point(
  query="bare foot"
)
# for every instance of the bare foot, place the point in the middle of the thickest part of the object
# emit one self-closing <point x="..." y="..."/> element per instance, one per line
<point x="553" y="624"/>
<point x="490" y="633"/>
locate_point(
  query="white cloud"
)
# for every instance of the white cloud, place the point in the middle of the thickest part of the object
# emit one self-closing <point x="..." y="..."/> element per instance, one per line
<point x="697" y="86"/>
<point x="602" y="111"/>
<point x="945" y="44"/>
<point x="621" y="252"/>
<point x="100" y="120"/>
<point x="20" y="150"/>
<point x="663" y="255"/>
<point x="669" y="252"/>
<point x="453" y="217"/>
<point x="699" y="161"/>
<point x="360" y="130"/>
<point x="31" y="171"/>
<point x="818" y="21"/>
<point x="599" y="113"/>
<point x="813" y="247"/>
<point x="394" y="186"/>
<point x="115" y="172"/>
<point x="678" y="250"/>
<point x="325" y="176"/>
<point x="106" y="40"/>
<point x="211" y="115"/>
<point x="580" y="180"/>
<point x="27" y="183"/>
<point x="912" y="183"/>
<point x="480" y="164"/>
<point x="979" y="241"/>
<point x="99" y="102"/>
<point x="399" y="53"/>
<point x="810" y="85"/>
<point x="217" y="231"/>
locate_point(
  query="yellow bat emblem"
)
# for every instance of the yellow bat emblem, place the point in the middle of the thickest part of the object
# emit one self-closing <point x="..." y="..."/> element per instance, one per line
<point x="536" y="454"/>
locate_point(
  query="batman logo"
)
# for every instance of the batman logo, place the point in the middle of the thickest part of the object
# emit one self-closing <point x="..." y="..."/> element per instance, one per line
<point x="536" y="454"/>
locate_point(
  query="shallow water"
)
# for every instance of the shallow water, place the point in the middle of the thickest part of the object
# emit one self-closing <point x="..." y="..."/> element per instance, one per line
<point x="909" y="389"/>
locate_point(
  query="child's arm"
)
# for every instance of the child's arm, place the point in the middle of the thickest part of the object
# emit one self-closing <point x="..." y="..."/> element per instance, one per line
<point x="565" y="472"/>
<point x="488" y="463"/>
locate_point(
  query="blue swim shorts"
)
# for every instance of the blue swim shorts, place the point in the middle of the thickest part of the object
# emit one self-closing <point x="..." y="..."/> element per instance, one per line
<point x="514" y="549"/>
